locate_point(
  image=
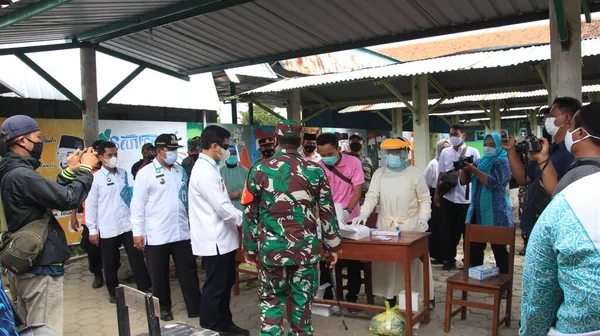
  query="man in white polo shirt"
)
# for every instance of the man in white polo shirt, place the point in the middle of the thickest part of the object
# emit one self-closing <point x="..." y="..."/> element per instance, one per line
<point x="161" y="227"/>
<point x="455" y="203"/>
<point x="214" y="224"/>
<point x="108" y="219"/>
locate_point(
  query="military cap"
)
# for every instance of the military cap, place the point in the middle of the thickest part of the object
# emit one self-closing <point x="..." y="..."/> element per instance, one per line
<point x="399" y="143"/>
<point x="167" y="140"/>
<point x="590" y="114"/>
<point x="288" y="128"/>
<point x="194" y="143"/>
<point x="265" y="141"/>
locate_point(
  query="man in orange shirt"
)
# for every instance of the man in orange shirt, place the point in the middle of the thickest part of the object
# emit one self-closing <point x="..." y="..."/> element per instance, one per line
<point x="93" y="251"/>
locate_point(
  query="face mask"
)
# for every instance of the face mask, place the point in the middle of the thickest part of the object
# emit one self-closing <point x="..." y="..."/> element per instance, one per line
<point x="171" y="157"/>
<point x="489" y="151"/>
<point x="550" y="127"/>
<point x="456" y="141"/>
<point x="267" y="153"/>
<point x="36" y="151"/>
<point x="330" y="161"/>
<point x="355" y="146"/>
<point x="194" y="156"/>
<point x="310" y="148"/>
<point x="569" y="139"/>
<point x="111" y="163"/>
<point x="225" y="154"/>
<point x="232" y="160"/>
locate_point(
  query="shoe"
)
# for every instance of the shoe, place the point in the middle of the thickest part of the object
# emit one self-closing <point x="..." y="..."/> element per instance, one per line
<point x="113" y="300"/>
<point x="354" y="310"/>
<point x="504" y="295"/>
<point x="234" y="330"/>
<point x="449" y="267"/>
<point x="98" y="281"/>
<point x="166" y="315"/>
<point x="437" y="262"/>
<point x="522" y="253"/>
<point x="193" y="315"/>
<point x="432" y="304"/>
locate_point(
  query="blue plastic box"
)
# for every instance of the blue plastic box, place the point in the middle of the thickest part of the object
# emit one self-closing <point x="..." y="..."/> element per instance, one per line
<point x="483" y="272"/>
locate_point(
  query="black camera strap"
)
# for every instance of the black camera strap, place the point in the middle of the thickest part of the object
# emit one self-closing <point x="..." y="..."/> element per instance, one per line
<point x="467" y="189"/>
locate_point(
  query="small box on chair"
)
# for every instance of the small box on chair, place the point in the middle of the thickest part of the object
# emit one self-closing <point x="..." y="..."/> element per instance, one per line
<point x="483" y="272"/>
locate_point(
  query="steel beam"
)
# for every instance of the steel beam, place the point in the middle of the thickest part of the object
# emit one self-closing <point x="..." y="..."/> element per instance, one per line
<point x="397" y="94"/>
<point x="268" y="109"/>
<point x="134" y="60"/>
<point x="542" y="73"/>
<point x="29" y="11"/>
<point x="316" y="97"/>
<point x="48" y="78"/>
<point x="41" y="48"/>
<point x="121" y="85"/>
<point x="437" y="103"/>
<point x="446" y="121"/>
<point x="156" y="18"/>
<point x="384" y="117"/>
<point x="585" y="7"/>
<point x="438" y="86"/>
<point x="316" y="114"/>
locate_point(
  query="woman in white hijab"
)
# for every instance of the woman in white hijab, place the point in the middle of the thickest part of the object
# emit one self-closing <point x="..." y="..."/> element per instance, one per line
<point x="405" y="205"/>
<point x="431" y="177"/>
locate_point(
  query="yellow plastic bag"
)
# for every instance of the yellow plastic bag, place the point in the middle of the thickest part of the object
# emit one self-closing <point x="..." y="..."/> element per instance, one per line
<point x="388" y="323"/>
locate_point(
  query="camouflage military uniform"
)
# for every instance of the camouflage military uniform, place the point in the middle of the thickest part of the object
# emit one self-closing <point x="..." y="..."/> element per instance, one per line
<point x="280" y="225"/>
<point x="190" y="160"/>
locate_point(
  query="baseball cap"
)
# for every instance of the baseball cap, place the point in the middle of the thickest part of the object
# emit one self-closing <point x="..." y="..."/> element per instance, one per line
<point x="168" y="140"/>
<point x="18" y="125"/>
<point x="288" y="128"/>
<point x="590" y="114"/>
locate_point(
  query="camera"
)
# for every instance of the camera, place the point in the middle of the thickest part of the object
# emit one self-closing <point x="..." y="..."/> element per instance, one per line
<point x="463" y="162"/>
<point x="530" y="144"/>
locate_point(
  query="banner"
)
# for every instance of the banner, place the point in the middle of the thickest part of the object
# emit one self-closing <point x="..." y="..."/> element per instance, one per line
<point x="260" y="132"/>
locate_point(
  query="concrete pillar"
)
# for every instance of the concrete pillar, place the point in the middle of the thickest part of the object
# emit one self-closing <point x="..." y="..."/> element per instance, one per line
<point x="294" y="110"/>
<point x="495" y="117"/>
<point x="398" y="125"/>
<point x="455" y="119"/>
<point x="89" y="95"/>
<point x="421" y="146"/>
<point x="532" y="116"/>
<point x="251" y="114"/>
<point x="234" y="115"/>
<point x="565" y="65"/>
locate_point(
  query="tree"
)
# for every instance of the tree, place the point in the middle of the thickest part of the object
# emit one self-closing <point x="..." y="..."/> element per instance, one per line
<point x="261" y="117"/>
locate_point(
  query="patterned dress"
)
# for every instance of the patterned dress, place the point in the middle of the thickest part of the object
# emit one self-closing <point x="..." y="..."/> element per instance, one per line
<point x="561" y="275"/>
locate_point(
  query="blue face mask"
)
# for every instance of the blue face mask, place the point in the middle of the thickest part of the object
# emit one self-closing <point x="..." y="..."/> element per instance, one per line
<point x="489" y="151"/>
<point x="232" y="160"/>
<point x="330" y="161"/>
<point x="397" y="163"/>
<point x="171" y="157"/>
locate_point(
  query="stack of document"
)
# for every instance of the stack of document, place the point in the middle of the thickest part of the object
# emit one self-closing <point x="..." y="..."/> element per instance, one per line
<point x="354" y="232"/>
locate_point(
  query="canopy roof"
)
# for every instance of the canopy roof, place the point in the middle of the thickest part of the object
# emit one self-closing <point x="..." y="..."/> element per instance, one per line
<point x="195" y="36"/>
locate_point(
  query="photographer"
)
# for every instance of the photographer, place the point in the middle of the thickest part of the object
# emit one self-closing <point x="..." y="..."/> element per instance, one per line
<point x="455" y="202"/>
<point x="548" y="165"/>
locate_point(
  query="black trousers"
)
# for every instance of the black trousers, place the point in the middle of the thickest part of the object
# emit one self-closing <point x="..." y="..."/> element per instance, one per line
<point x="93" y="252"/>
<point x="353" y="285"/>
<point x="215" y="313"/>
<point x="111" y="260"/>
<point x="500" y="254"/>
<point x="435" y="227"/>
<point x="453" y="221"/>
<point x="158" y="257"/>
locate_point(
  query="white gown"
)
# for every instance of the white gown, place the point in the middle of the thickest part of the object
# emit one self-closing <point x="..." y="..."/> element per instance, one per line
<point x="403" y="198"/>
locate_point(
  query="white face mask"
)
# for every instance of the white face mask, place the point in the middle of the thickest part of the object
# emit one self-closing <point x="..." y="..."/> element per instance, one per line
<point x="569" y="139"/>
<point x="224" y="154"/>
<point x="550" y="127"/>
<point x="111" y="163"/>
<point x="456" y="141"/>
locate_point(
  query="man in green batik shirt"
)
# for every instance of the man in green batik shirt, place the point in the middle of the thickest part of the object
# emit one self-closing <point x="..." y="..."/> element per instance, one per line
<point x="283" y="197"/>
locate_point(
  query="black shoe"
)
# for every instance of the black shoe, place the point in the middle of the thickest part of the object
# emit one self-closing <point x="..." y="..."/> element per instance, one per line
<point x="98" y="281"/>
<point x="437" y="262"/>
<point x="234" y="330"/>
<point x="449" y="267"/>
<point x="113" y="300"/>
<point x="166" y="315"/>
<point x="504" y="295"/>
<point x="193" y="315"/>
<point x="431" y="304"/>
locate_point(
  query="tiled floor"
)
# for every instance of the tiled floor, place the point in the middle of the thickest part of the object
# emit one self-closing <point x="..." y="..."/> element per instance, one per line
<point x="88" y="312"/>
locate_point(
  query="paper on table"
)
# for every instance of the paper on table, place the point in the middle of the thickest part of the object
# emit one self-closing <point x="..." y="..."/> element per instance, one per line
<point x="354" y="232"/>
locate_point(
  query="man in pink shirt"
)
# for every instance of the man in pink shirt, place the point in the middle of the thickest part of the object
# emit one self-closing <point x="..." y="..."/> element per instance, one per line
<point x="346" y="177"/>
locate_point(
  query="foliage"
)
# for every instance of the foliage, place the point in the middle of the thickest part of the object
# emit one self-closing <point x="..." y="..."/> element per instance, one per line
<point x="261" y="117"/>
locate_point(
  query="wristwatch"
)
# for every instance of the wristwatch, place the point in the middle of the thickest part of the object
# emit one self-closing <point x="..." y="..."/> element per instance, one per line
<point x="349" y="210"/>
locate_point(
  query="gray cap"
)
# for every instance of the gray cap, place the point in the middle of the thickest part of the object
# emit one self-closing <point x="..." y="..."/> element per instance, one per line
<point x="18" y="125"/>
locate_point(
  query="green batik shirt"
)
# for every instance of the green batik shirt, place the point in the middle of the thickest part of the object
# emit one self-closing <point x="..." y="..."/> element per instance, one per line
<point x="281" y="198"/>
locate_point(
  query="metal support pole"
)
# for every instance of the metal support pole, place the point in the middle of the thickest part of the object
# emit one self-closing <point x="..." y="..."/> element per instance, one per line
<point x="251" y="113"/>
<point x="532" y="117"/>
<point x="294" y="110"/>
<point x="384" y="117"/>
<point x="397" y="126"/>
<point x="89" y="95"/>
<point x="455" y="119"/>
<point x="420" y="96"/>
<point x="234" y="115"/>
<point x="495" y="117"/>
<point x="542" y="73"/>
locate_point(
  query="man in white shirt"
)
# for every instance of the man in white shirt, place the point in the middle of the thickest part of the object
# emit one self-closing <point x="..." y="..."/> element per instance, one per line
<point x="455" y="203"/>
<point x="214" y="225"/>
<point x="107" y="217"/>
<point x="161" y="227"/>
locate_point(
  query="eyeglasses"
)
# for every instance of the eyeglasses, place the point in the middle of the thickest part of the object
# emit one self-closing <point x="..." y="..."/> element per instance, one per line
<point x="224" y="146"/>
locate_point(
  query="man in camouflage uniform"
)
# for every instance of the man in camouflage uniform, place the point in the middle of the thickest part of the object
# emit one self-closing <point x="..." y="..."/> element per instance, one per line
<point x="280" y="231"/>
<point x="193" y="153"/>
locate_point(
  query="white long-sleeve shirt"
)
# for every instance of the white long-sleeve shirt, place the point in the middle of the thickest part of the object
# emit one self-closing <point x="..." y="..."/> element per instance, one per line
<point x="107" y="206"/>
<point x="159" y="204"/>
<point x="213" y="218"/>
<point x="432" y="173"/>
<point x="447" y="158"/>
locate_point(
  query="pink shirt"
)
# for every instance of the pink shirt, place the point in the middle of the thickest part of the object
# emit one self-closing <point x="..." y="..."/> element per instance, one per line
<point x="341" y="190"/>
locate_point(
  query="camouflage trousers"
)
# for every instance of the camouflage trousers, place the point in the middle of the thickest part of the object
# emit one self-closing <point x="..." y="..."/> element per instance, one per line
<point x="276" y="284"/>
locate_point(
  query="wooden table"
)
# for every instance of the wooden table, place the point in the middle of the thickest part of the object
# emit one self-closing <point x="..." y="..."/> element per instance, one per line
<point x="404" y="249"/>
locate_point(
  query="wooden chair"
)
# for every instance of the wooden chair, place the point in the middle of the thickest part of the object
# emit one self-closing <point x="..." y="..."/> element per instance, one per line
<point x="367" y="278"/>
<point x="475" y="233"/>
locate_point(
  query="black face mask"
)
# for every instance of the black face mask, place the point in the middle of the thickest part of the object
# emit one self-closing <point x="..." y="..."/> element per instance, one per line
<point x="267" y="153"/>
<point x="36" y="151"/>
<point x="355" y="146"/>
<point x="310" y="148"/>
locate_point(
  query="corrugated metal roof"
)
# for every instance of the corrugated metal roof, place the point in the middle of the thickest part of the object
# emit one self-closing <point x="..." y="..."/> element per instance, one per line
<point x="462" y="99"/>
<point x="463" y="62"/>
<point x="269" y="30"/>
<point x="341" y="61"/>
